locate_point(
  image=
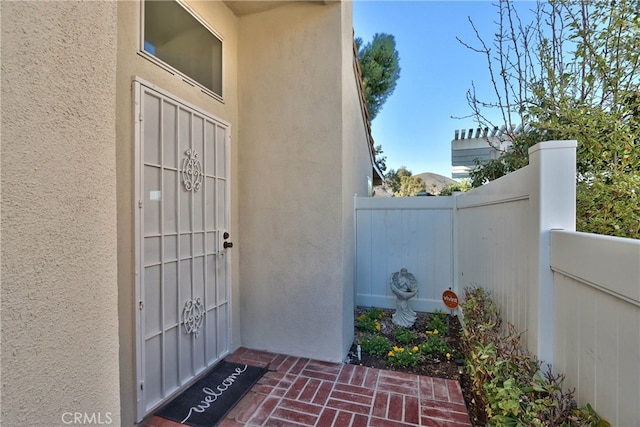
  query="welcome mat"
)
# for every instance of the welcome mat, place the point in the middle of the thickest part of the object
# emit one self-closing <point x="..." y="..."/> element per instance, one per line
<point x="208" y="401"/>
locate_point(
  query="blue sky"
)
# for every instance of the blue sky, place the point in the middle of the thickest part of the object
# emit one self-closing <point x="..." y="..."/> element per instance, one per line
<point x="415" y="126"/>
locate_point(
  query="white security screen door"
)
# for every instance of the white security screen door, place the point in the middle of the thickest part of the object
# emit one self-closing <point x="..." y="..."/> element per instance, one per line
<point x="182" y="285"/>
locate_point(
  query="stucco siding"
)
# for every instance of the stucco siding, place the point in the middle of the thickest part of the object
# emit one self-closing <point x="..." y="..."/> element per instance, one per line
<point x="356" y="164"/>
<point x="298" y="154"/>
<point x="291" y="180"/>
<point x="59" y="270"/>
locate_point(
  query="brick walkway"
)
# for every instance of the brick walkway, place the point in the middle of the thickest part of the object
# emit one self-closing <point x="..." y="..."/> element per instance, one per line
<point x="303" y="392"/>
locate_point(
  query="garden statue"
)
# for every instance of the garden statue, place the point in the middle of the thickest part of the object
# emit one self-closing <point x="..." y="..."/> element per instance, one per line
<point x="405" y="286"/>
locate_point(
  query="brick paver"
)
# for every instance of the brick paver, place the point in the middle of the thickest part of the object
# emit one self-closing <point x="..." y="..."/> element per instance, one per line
<point x="303" y="392"/>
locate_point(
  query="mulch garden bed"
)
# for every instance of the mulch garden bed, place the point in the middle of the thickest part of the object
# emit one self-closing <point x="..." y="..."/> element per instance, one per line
<point x="431" y="365"/>
<point x="437" y="366"/>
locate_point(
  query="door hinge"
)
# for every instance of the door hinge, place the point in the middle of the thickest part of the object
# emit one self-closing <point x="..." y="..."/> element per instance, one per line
<point x="140" y="117"/>
<point x="140" y="305"/>
<point x="140" y="203"/>
<point x="141" y="385"/>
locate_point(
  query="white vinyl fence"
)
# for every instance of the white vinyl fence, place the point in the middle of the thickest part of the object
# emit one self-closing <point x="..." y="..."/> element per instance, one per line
<point x="576" y="295"/>
<point x="503" y="235"/>
<point x="597" y="321"/>
<point x="415" y="233"/>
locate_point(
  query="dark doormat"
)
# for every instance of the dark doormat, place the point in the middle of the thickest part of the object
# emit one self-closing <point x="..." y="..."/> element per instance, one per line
<point x="208" y="401"/>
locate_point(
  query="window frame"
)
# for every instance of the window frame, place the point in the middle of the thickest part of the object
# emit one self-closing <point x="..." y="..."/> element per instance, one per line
<point x="173" y="70"/>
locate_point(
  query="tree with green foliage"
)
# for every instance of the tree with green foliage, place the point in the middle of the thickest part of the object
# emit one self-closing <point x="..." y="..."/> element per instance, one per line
<point x="392" y="179"/>
<point x="380" y="67"/>
<point x="573" y="72"/>
<point x="402" y="183"/>
<point x="461" y="186"/>
<point x="411" y="186"/>
<point x="380" y="159"/>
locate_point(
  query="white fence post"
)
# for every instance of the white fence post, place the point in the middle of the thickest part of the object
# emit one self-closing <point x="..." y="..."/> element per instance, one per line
<point x="455" y="257"/>
<point x="553" y="205"/>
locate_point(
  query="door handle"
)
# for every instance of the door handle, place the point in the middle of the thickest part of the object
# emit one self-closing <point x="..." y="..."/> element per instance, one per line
<point x="227" y="245"/>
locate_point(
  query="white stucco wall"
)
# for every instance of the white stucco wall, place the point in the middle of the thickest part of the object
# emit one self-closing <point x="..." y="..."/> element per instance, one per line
<point x="59" y="270"/>
<point x="303" y="155"/>
<point x="130" y="64"/>
<point x="68" y="281"/>
<point x="290" y="169"/>
<point x="356" y="166"/>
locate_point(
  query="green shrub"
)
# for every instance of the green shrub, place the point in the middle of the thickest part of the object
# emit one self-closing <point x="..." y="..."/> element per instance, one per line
<point x="435" y="346"/>
<point x="462" y="186"/>
<point x="609" y="204"/>
<point x="404" y="356"/>
<point x="505" y="379"/>
<point x="368" y="322"/>
<point x="404" y="336"/>
<point x="438" y="322"/>
<point x="377" y="345"/>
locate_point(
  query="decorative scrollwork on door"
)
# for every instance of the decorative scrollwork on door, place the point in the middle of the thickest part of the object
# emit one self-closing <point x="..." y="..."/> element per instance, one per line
<point x="192" y="316"/>
<point x="192" y="171"/>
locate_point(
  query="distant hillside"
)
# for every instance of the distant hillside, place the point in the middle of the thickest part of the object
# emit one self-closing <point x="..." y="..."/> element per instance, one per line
<point x="434" y="184"/>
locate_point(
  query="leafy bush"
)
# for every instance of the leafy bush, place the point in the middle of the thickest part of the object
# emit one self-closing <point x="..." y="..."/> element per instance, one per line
<point x="435" y="346"/>
<point x="376" y="344"/>
<point x="461" y="186"/>
<point x="580" y="82"/>
<point x="438" y="322"/>
<point x="505" y="379"/>
<point x="609" y="204"/>
<point x="368" y="322"/>
<point x="481" y="318"/>
<point x="375" y="313"/>
<point x="404" y="336"/>
<point x="404" y="356"/>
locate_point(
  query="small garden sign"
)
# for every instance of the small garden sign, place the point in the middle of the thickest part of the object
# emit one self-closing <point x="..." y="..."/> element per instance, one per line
<point x="450" y="299"/>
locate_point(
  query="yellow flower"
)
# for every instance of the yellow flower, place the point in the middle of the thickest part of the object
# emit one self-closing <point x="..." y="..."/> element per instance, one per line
<point x="378" y="326"/>
<point x="429" y="332"/>
<point x="401" y="350"/>
<point x="448" y="356"/>
<point x="391" y="354"/>
<point x="435" y="331"/>
<point x="415" y="348"/>
<point x="362" y="316"/>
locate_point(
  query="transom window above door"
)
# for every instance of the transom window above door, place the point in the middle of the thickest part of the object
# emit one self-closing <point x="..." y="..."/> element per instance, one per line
<point x="174" y="37"/>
